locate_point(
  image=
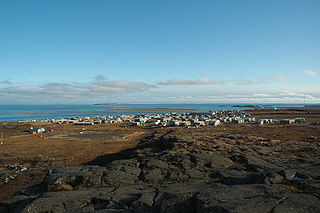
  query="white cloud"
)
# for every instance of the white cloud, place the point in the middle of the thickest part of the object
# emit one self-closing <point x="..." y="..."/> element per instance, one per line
<point x="102" y="90"/>
<point x="99" y="88"/>
<point x="243" y="81"/>
<point x="261" y="80"/>
<point x="229" y="94"/>
<point x="310" y="73"/>
<point x="5" y="82"/>
<point x="268" y="79"/>
<point x="117" y="86"/>
<point x="199" y="81"/>
<point x="261" y="95"/>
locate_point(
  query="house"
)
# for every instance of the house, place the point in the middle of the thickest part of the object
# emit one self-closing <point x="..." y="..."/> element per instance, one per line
<point x="163" y="123"/>
<point x="214" y="122"/>
<point x="249" y="119"/>
<point x="83" y="123"/>
<point x="141" y="120"/>
<point x="202" y="118"/>
<point x="165" y="119"/>
<point x="174" y="123"/>
<point x="299" y="120"/>
<point x="186" y="123"/>
<point x="37" y="130"/>
<point x="199" y="123"/>
<point x="61" y="121"/>
<point x="223" y="119"/>
<point x="97" y="121"/>
<point x="287" y="121"/>
<point x="237" y="120"/>
<point x="267" y="121"/>
<point x="157" y="122"/>
<point x="260" y="122"/>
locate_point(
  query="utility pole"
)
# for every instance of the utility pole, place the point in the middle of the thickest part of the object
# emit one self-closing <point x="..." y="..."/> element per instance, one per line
<point x="304" y="107"/>
<point x="1" y="138"/>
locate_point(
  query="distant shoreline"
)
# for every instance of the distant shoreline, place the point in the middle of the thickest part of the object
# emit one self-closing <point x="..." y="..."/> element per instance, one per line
<point x="113" y="109"/>
<point x="149" y="109"/>
<point x="245" y="106"/>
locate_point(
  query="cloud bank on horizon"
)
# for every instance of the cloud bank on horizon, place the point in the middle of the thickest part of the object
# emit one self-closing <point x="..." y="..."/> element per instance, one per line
<point x="199" y="81"/>
<point x="200" y="90"/>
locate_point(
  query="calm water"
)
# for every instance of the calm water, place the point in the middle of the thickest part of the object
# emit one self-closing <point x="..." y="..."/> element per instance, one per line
<point x="38" y="112"/>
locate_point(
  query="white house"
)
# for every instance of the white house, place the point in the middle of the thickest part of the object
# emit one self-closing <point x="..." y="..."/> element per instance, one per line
<point x="260" y="122"/>
<point x="214" y="122"/>
<point x="299" y="120"/>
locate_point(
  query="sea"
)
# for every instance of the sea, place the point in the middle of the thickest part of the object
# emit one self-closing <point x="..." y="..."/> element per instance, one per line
<point x="42" y="112"/>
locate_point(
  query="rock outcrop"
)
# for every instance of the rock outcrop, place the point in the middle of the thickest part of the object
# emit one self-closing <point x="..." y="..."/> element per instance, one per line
<point x="177" y="172"/>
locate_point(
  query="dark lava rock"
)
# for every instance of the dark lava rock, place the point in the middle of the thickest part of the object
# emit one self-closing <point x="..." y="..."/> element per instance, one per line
<point x="298" y="203"/>
<point x="239" y="159"/>
<point x="178" y="160"/>
<point x="211" y="160"/>
<point x="194" y="196"/>
<point x="239" y="198"/>
<point x="153" y="176"/>
<point x="168" y="174"/>
<point x="177" y="177"/>
<point x="120" y="163"/>
<point x="69" y="178"/>
<point x="155" y="163"/>
<point x="196" y="174"/>
<point x="235" y="177"/>
<point x="274" y="177"/>
<point x="175" y="198"/>
<point x="121" y="177"/>
<point x="309" y="186"/>
<point x="122" y="172"/>
<point x="309" y="174"/>
<point x="287" y="173"/>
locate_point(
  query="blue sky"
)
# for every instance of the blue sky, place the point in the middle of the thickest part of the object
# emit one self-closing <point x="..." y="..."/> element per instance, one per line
<point x="168" y="51"/>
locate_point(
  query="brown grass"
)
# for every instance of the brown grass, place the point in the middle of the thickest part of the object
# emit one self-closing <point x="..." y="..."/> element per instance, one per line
<point x="41" y="154"/>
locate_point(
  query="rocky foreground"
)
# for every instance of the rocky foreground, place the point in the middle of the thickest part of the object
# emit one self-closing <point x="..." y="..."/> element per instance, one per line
<point x="186" y="170"/>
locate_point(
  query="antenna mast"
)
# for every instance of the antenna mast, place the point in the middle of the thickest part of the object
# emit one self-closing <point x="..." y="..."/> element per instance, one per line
<point x="304" y="107"/>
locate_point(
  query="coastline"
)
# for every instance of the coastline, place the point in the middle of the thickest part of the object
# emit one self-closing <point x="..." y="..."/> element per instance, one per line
<point x="111" y="109"/>
<point x="149" y="109"/>
<point x="35" y="112"/>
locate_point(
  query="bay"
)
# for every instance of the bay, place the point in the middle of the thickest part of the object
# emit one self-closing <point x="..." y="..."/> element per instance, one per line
<point x="41" y="112"/>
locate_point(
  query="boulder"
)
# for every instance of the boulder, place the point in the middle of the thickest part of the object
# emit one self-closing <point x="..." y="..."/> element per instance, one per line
<point x="235" y="177"/>
<point x="70" y="178"/>
<point x="122" y="172"/>
<point x="298" y="203"/>
<point x="239" y="198"/>
<point x="211" y="160"/>
<point x="153" y="176"/>
<point x="155" y="163"/>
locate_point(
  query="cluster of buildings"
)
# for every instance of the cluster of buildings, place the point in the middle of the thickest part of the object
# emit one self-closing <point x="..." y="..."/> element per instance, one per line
<point x="196" y="119"/>
<point x="282" y="121"/>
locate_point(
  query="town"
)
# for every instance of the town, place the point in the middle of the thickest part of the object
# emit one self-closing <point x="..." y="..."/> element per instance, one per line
<point x="173" y="119"/>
